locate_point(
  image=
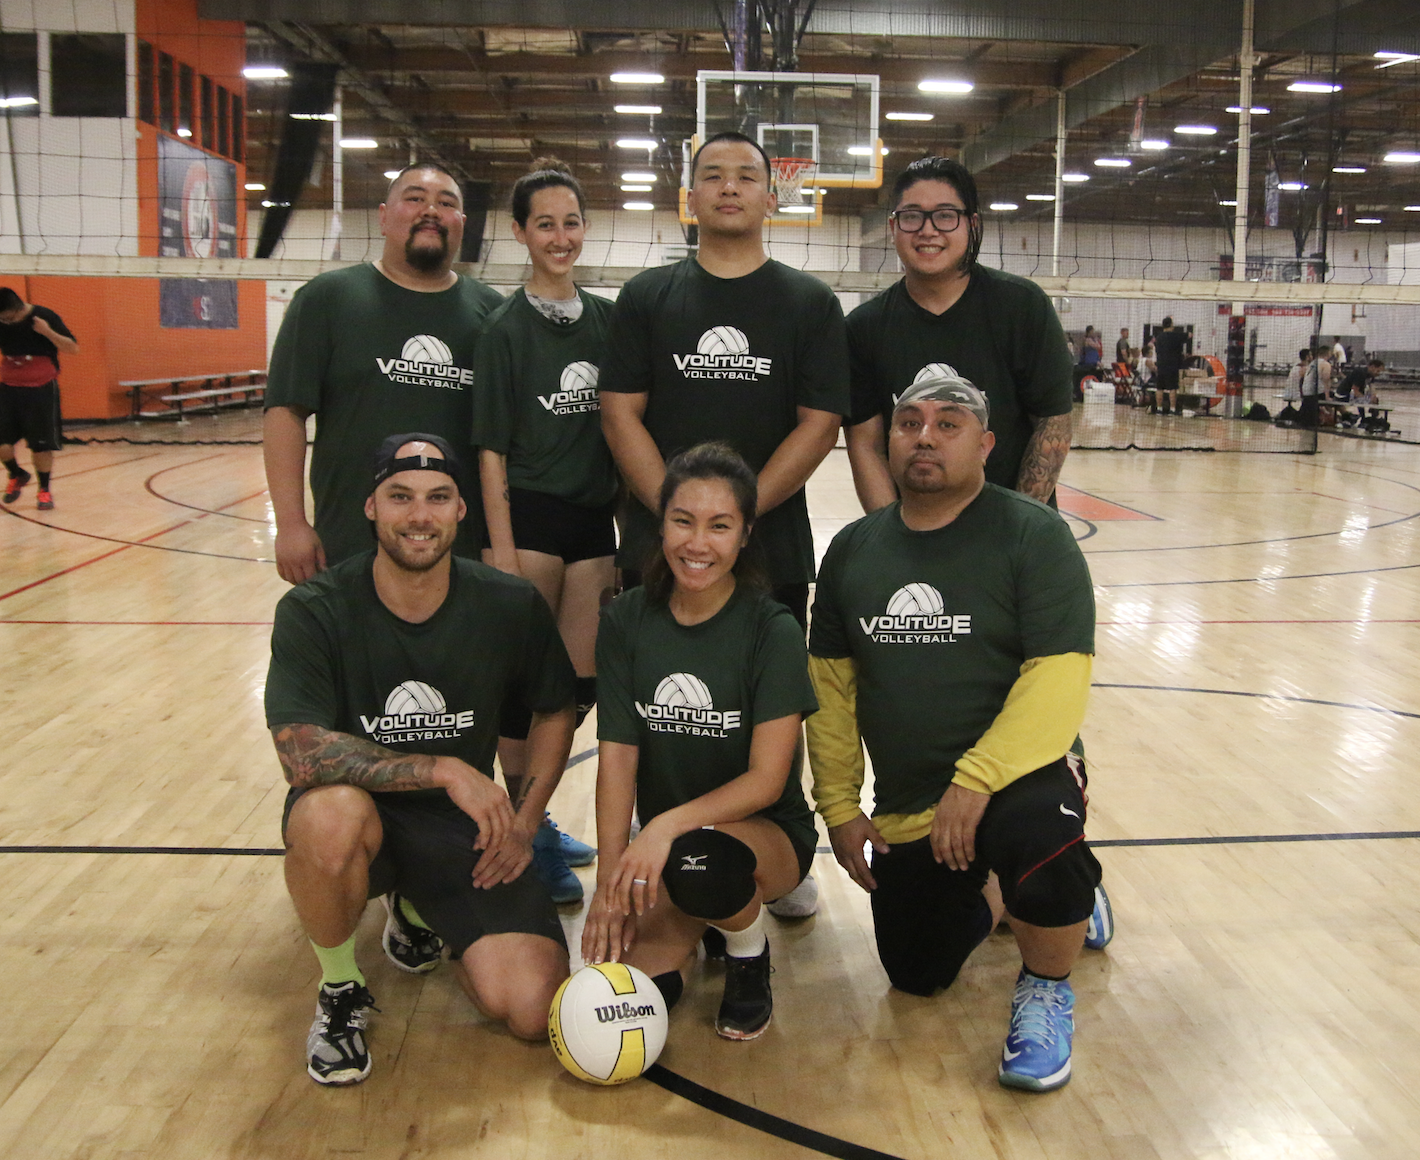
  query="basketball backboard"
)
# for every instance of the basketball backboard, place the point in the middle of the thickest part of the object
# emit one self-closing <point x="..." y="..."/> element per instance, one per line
<point x="829" y="118"/>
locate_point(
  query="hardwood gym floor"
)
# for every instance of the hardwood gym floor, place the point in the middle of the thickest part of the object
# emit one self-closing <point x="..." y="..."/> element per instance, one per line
<point x="1257" y="678"/>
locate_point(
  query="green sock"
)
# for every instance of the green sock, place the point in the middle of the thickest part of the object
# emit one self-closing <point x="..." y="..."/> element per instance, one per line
<point x="406" y="908"/>
<point x="337" y="964"/>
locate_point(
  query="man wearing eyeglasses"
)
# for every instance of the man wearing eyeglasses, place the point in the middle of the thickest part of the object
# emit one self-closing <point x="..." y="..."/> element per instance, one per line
<point x="951" y="315"/>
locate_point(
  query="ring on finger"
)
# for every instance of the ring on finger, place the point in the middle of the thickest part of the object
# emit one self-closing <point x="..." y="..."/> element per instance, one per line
<point x="638" y="882"/>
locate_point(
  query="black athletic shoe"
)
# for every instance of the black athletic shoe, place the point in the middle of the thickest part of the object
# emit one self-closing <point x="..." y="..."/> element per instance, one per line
<point x="411" y="948"/>
<point x="335" y="1049"/>
<point x="16" y="485"/>
<point x="748" y="1004"/>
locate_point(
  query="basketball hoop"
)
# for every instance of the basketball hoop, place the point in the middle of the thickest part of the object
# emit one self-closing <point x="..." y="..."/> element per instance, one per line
<point x="790" y="173"/>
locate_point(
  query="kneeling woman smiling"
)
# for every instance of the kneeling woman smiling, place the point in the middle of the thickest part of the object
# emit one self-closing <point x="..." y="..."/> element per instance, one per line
<point x="703" y="685"/>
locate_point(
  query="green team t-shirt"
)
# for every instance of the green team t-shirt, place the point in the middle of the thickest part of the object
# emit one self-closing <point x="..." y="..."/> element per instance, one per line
<point x="690" y="696"/>
<point x="731" y="359"/>
<point x="341" y="660"/>
<point x="1002" y="334"/>
<point x="939" y="623"/>
<point x="373" y="359"/>
<point x="535" y="399"/>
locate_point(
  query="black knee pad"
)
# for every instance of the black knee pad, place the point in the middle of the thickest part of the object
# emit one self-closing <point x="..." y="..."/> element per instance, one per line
<point x="1059" y="892"/>
<point x="586" y="697"/>
<point x="710" y="875"/>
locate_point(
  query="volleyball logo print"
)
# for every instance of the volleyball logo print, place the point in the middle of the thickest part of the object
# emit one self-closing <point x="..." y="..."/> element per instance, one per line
<point x="682" y="704"/>
<point x="723" y="340"/>
<point x="415" y="711"/>
<point x="425" y="361"/>
<point x="915" y="599"/>
<point x="425" y="348"/>
<point x="722" y="352"/>
<point x="916" y="614"/>
<point x="415" y="697"/>
<point x="577" y="390"/>
<point x="684" y="689"/>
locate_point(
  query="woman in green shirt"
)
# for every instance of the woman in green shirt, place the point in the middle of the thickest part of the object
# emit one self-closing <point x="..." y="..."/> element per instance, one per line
<point x="704" y="686"/>
<point x="549" y="485"/>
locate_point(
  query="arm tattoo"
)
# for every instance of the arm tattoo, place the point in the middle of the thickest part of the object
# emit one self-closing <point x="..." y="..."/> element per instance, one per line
<point x="312" y="756"/>
<point x="1045" y="455"/>
<point x="524" y="788"/>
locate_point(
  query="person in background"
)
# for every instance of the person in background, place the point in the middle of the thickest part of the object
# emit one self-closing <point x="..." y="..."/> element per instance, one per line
<point x="31" y="340"/>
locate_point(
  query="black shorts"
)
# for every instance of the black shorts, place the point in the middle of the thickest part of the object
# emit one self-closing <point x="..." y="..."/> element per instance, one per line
<point x="928" y="918"/>
<point x="428" y="856"/>
<point x="554" y="526"/>
<point x="31" y="414"/>
<point x="1166" y="381"/>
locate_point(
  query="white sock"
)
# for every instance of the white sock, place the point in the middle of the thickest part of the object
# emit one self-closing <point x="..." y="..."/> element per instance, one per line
<point x="748" y="943"/>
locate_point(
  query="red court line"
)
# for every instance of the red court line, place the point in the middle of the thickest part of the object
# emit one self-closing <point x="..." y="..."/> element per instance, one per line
<point x="168" y="623"/>
<point x="1085" y="506"/>
<point x="1298" y="621"/>
<point x="106" y="466"/>
<point x="86" y="563"/>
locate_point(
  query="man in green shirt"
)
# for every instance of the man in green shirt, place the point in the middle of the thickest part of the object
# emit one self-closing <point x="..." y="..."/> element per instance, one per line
<point x="730" y="345"/>
<point x="953" y="634"/>
<point x="388" y="675"/>
<point x="371" y="350"/>
<point x="950" y="314"/>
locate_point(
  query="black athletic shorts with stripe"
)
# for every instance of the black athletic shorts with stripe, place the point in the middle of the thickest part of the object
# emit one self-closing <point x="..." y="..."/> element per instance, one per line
<point x="928" y="918"/>
<point x="31" y="414"/>
<point x="428" y="856"/>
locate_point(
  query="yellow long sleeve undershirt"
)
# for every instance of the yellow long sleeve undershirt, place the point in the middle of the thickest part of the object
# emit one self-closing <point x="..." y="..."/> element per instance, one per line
<point x="1037" y="725"/>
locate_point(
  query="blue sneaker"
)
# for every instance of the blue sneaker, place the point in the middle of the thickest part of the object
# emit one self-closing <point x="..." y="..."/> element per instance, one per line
<point x="1036" y="1056"/>
<point x="1100" y="929"/>
<point x="574" y="853"/>
<point x="551" y="866"/>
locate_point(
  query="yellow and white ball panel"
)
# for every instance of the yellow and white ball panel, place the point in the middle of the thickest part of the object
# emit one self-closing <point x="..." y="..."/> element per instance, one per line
<point x="608" y="1023"/>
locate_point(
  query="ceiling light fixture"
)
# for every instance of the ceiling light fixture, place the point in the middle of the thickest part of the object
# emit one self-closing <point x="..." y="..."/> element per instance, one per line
<point x="638" y="177"/>
<point x="636" y="78"/>
<point x="254" y="186"/>
<point x="650" y="110"/>
<point x="640" y="206"/>
<point x="1229" y="202"/>
<point x="265" y="72"/>
<point x="796" y="209"/>
<point x="909" y="116"/>
<point x="865" y="151"/>
<point x="637" y="188"/>
<point x="1256" y="110"/>
<point x="312" y="116"/>
<point x="1004" y="206"/>
<point x="1074" y="178"/>
<point x="1196" y="130"/>
<point x="1153" y="144"/>
<point x="17" y="102"/>
<point x="184" y="131"/>
<point x="1394" y="58"/>
<point x="1113" y="162"/>
<point x="1040" y="197"/>
<point x="1402" y="157"/>
<point x="1367" y="221"/>
<point x="1313" y="87"/>
<point x="1348" y="169"/>
<point x="1292" y="186"/>
<point x="944" y="86"/>
<point x="636" y="143"/>
<point x="391" y="174"/>
<point x="359" y="143"/>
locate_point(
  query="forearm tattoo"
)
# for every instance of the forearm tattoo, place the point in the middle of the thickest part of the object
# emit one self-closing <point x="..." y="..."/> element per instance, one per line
<point x="1044" y="456"/>
<point x="312" y="756"/>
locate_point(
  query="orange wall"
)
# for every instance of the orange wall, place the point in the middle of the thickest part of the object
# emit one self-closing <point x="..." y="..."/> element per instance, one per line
<point x="115" y="321"/>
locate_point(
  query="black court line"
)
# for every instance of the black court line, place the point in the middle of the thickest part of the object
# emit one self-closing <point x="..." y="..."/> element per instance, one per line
<point x="761" y="1121"/>
<point x="139" y="543"/>
<point x="1264" y="697"/>
<point x="1091" y="528"/>
<point x="156" y="494"/>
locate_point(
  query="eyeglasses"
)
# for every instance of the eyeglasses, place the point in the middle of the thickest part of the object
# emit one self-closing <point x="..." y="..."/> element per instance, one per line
<point x="910" y="221"/>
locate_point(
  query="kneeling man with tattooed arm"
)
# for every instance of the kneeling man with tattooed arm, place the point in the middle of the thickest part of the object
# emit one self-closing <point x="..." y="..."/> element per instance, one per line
<point x="388" y="674"/>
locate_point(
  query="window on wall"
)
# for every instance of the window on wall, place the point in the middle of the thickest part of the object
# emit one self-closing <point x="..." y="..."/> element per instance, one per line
<point x="185" y="117"/>
<point x="88" y="74"/>
<point x="146" y="111"/>
<point x="224" y="110"/>
<point x="209" y="127"/>
<point x="239" y="130"/>
<point x="167" y="114"/>
<point x="19" y="73"/>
